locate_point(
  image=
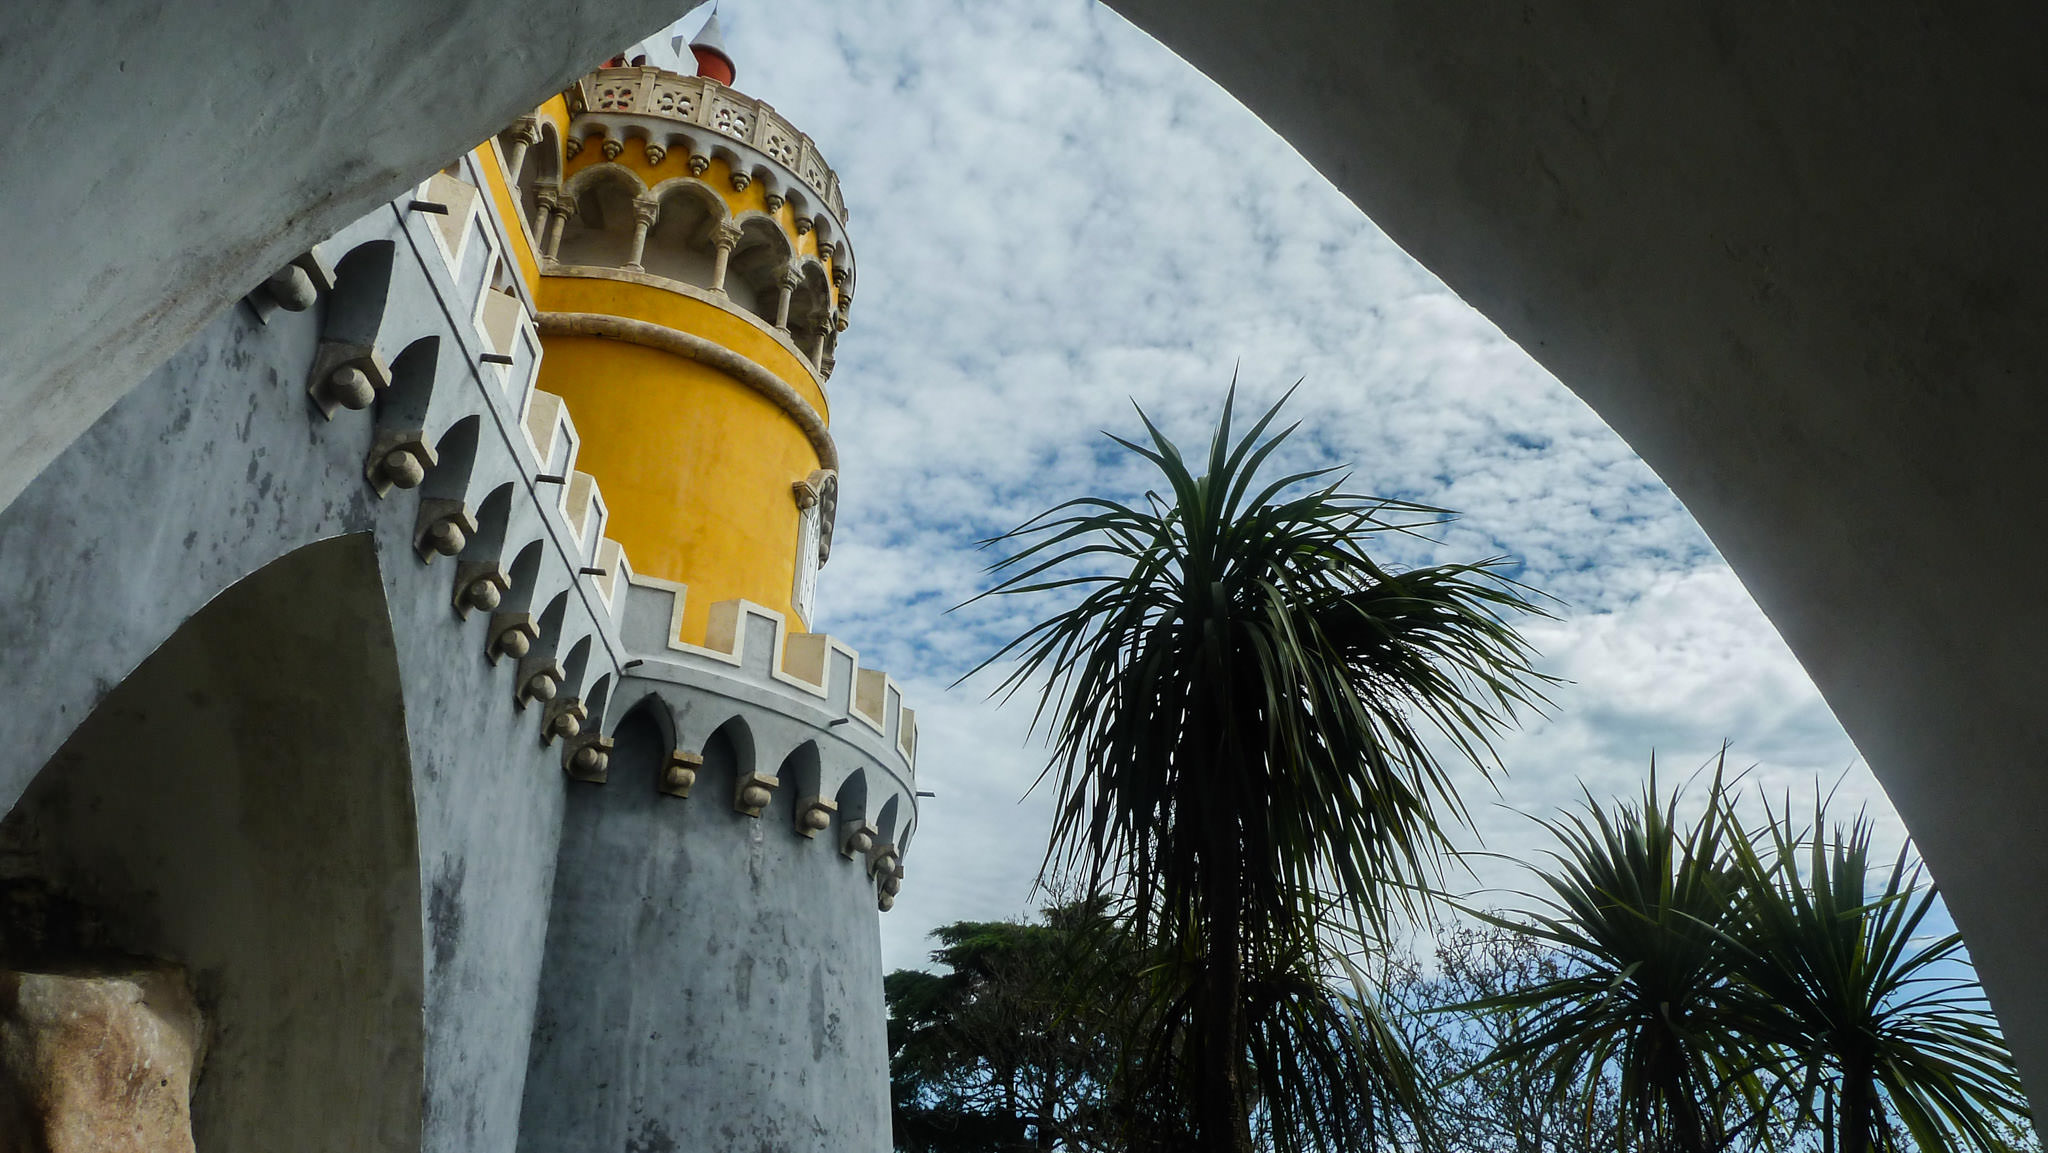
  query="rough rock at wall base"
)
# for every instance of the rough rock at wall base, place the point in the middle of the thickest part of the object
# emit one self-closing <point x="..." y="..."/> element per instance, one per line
<point x="97" y="1062"/>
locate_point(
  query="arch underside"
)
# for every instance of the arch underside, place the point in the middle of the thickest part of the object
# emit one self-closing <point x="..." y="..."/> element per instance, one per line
<point x="1795" y="257"/>
<point x="241" y="806"/>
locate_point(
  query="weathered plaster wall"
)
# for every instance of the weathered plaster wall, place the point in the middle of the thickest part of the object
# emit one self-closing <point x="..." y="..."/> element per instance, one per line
<point x="1795" y="255"/>
<point x="135" y="550"/>
<point x="242" y="805"/>
<point x="713" y="980"/>
<point x="171" y="156"/>
<point x="202" y="475"/>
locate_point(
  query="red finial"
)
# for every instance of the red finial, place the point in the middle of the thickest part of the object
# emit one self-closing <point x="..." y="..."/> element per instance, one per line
<point x="709" y="49"/>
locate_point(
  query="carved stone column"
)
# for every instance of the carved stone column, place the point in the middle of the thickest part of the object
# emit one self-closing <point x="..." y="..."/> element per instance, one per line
<point x="544" y="197"/>
<point x="558" y="220"/>
<point x="819" y="331"/>
<point x="525" y="134"/>
<point x="726" y="238"/>
<point x="787" y="285"/>
<point x="645" y="209"/>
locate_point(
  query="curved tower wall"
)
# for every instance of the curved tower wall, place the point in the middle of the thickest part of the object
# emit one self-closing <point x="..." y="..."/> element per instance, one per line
<point x="711" y="235"/>
<point x="711" y="977"/>
<point x="740" y="801"/>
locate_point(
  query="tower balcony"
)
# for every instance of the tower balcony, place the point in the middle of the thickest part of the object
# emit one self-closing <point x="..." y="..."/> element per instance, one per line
<point x="680" y="183"/>
<point x="704" y="120"/>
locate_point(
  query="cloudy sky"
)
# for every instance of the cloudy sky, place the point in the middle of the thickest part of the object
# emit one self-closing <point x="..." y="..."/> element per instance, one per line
<point x="1054" y="217"/>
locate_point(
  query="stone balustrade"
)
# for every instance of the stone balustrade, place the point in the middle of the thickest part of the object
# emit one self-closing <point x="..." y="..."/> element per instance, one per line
<point x="706" y="104"/>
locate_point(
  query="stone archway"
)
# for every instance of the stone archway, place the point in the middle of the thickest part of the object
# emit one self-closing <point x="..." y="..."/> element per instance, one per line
<point x="241" y="807"/>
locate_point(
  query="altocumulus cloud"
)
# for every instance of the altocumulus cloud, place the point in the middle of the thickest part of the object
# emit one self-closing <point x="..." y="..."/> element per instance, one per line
<point x="1056" y="217"/>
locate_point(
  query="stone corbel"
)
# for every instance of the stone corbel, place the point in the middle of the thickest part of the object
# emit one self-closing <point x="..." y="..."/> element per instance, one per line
<point x="539" y="679"/>
<point x="587" y="757"/>
<point x="698" y="163"/>
<point x="400" y="458"/>
<point x="860" y="839"/>
<point x="752" y="792"/>
<point x="562" y="719"/>
<point x="572" y="146"/>
<point x="775" y="201"/>
<point x="512" y="635"/>
<point x="679" y="775"/>
<point x="882" y="859"/>
<point x="316" y="269"/>
<point x="741" y="178"/>
<point x="611" y="147"/>
<point x="291" y="288"/>
<point x="814" y="815"/>
<point x="803" y="226"/>
<point x="346" y="376"/>
<point x="826" y="249"/>
<point x="480" y="585"/>
<point x="892" y="884"/>
<point x="839" y="275"/>
<point x="443" y="527"/>
<point x="655" y="153"/>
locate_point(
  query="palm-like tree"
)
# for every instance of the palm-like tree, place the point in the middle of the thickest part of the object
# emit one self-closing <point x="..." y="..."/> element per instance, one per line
<point x="1875" y="1022"/>
<point x="1640" y="906"/>
<point x="1241" y="706"/>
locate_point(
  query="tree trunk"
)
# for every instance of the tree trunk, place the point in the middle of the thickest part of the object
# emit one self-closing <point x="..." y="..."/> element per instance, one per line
<point x="1859" y="1099"/>
<point x="1223" y="1114"/>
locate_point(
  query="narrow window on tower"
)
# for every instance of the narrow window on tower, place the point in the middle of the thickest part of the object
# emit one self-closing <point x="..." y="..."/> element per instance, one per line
<point x="806" y="562"/>
<point x="817" y="500"/>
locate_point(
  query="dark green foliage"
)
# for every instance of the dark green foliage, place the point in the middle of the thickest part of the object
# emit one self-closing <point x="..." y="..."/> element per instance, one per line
<point x="1014" y="1046"/>
<point x="1641" y="904"/>
<point x="1241" y="705"/>
<point x="1740" y="999"/>
<point x="1876" y="1023"/>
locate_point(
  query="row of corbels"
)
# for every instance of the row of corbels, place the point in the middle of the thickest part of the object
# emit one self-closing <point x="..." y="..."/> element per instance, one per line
<point x="751" y="794"/>
<point x="698" y="163"/>
<point x="349" y="374"/>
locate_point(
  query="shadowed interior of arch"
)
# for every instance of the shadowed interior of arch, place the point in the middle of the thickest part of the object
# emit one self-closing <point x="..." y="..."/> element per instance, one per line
<point x="241" y="806"/>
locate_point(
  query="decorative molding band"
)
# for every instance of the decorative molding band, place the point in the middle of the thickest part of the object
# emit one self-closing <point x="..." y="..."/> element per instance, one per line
<point x="718" y="300"/>
<point x="690" y="347"/>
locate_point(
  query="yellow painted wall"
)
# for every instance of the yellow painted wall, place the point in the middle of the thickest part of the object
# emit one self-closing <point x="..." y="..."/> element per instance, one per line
<point x="695" y="467"/>
<point x="686" y="314"/>
<point x="506" y="205"/>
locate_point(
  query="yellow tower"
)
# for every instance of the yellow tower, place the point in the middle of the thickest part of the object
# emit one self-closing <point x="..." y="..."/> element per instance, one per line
<point x="694" y="277"/>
